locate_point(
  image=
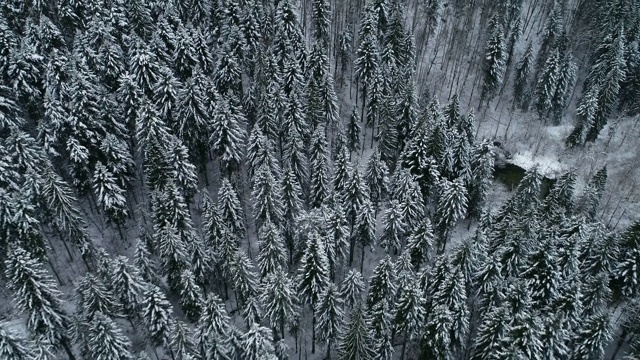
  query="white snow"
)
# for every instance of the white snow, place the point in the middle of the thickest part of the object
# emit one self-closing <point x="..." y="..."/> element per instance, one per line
<point x="548" y="164"/>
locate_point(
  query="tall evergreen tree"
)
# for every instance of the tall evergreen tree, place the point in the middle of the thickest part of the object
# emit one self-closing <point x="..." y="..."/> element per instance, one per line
<point x="280" y="300"/>
<point x="330" y="315"/>
<point x="357" y="342"/>
<point x="494" y="63"/>
<point x="36" y="294"/>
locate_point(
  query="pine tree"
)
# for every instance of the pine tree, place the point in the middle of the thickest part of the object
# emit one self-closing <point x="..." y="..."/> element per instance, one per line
<point x="243" y="278"/>
<point x="36" y="294"/>
<point x="376" y="177"/>
<point x="452" y="206"/>
<point x="365" y="229"/>
<point x="337" y="230"/>
<point x="213" y="330"/>
<point x="521" y="82"/>
<point x="182" y="345"/>
<point x="393" y="229"/>
<point x="279" y="300"/>
<point x="592" y="194"/>
<point x="313" y="274"/>
<point x="625" y="272"/>
<point x="357" y="343"/>
<point x="353" y="131"/>
<point x="330" y="314"/>
<point x="228" y="133"/>
<point x="12" y="346"/>
<point x="190" y="296"/>
<point x="93" y="297"/>
<point x="592" y="337"/>
<point x="110" y="196"/>
<point x="320" y="177"/>
<point x="420" y="243"/>
<point x="173" y="253"/>
<point x="410" y="314"/>
<point x="258" y="343"/>
<point x="381" y="283"/>
<point x="492" y="334"/>
<point x="157" y="314"/>
<point x="127" y="283"/>
<point x="106" y="340"/>
<point x="272" y="255"/>
<point x="352" y="288"/>
<point x="342" y="171"/>
<point x="145" y="263"/>
<point x="230" y="208"/>
<point x="321" y="13"/>
<point x="267" y="195"/>
<point x="494" y="62"/>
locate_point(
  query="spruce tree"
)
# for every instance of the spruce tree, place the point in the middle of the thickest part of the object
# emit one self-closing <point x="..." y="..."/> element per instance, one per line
<point x="452" y="206"/>
<point x="329" y="312"/>
<point x="272" y="255"/>
<point x="313" y="275"/>
<point x="190" y="296"/>
<point x="267" y="196"/>
<point x="93" y="297"/>
<point x="279" y="300"/>
<point x="357" y="342"/>
<point x="157" y="315"/>
<point x="352" y="288"/>
<point x="14" y="347"/>
<point x="106" y="340"/>
<point x="258" y="343"/>
<point x="213" y="330"/>
<point x="494" y="62"/>
<point x="393" y="229"/>
<point x="127" y="283"/>
<point x="36" y="294"/>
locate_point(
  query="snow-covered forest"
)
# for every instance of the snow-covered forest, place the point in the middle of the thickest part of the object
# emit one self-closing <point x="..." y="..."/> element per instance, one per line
<point x="319" y="179"/>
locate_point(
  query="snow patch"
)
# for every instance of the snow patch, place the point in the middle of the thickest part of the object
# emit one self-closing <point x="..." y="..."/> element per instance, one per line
<point x="548" y="165"/>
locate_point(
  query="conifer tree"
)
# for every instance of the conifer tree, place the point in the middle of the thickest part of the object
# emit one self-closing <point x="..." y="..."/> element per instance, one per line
<point x="279" y="300"/>
<point x="410" y="314"/>
<point x="37" y="295"/>
<point x="337" y="230"/>
<point x="591" y="339"/>
<point x="494" y="62"/>
<point x="319" y="164"/>
<point x="182" y="345"/>
<point x="106" y="340"/>
<point x="352" y="288"/>
<point x="353" y="131"/>
<point x="243" y="278"/>
<point x="377" y="179"/>
<point x="12" y="346"/>
<point x="313" y="274"/>
<point x="230" y="208"/>
<point x="321" y="22"/>
<point x="393" y="229"/>
<point x="330" y="314"/>
<point x="452" y="206"/>
<point x="157" y="315"/>
<point x="272" y="255"/>
<point x="228" y="133"/>
<point x="258" y="343"/>
<point x="213" y="330"/>
<point x="267" y="196"/>
<point x="127" y="283"/>
<point x="190" y="296"/>
<point x="110" y="196"/>
<point x="420" y="243"/>
<point x="93" y="297"/>
<point x="342" y="171"/>
<point x="365" y="229"/>
<point x="357" y="342"/>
